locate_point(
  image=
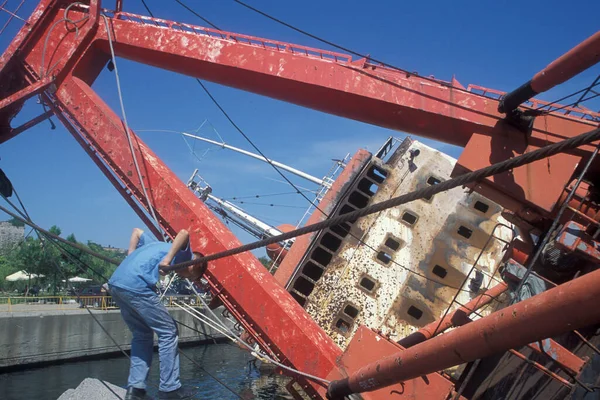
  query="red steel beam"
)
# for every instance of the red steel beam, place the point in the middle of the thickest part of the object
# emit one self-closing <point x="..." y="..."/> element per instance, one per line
<point x="542" y="369"/>
<point x="573" y="62"/>
<point x="263" y="306"/>
<point x="325" y="81"/>
<point x="318" y="79"/>
<point x="566" y="307"/>
<point x="560" y="355"/>
<point x="460" y="317"/>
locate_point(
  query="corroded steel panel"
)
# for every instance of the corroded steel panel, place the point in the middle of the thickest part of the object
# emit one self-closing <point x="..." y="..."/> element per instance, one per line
<point x="327" y="205"/>
<point x="416" y="256"/>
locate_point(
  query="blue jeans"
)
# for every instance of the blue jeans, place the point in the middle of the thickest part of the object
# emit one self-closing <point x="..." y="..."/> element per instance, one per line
<point x="145" y="315"/>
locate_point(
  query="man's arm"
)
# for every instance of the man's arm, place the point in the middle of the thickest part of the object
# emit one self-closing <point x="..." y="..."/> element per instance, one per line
<point x="135" y="239"/>
<point x="181" y="242"/>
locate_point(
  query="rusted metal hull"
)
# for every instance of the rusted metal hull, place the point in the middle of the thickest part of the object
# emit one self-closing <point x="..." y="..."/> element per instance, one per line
<point x="559" y="310"/>
<point x="411" y="261"/>
<point x="455" y="318"/>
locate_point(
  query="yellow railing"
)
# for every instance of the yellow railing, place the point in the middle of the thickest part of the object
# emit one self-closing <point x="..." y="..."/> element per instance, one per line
<point x="49" y="303"/>
<point x="57" y="303"/>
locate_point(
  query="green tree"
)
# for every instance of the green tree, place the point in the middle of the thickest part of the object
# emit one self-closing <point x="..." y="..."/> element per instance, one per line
<point x="15" y="222"/>
<point x="46" y="258"/>
<point x="266" y="261"/>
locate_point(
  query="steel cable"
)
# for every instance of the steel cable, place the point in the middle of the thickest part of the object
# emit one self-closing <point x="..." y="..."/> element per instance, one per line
<point x="51" y="239"/>
<point x="313" y="203"/>
<point x="462" y="180"/>
<point x="470" y="177"/>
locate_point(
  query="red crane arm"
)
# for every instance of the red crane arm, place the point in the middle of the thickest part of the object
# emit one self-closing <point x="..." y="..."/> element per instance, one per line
<point x="251" y="294"/>
<point x="322" y="80"/>
<point x="72" y="62"/>
<point x="317" y="79"/>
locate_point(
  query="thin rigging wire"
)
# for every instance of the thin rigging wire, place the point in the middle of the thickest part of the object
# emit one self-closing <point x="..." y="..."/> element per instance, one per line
<point x="147" y="8"/>
<point x="586" y="90"/>
<point x="462" y="180"/>
<point x="576" y="103"/>
<point x="263" y="355"/>
<point x="339" y="47"/>
<point x="78" y="261"/>
<point x="313" y="202"/>
<point x="197" y="15"/>
<point x="266" y="204"/>
<point x="257" y="196"/>
<point x="127" y="132"/>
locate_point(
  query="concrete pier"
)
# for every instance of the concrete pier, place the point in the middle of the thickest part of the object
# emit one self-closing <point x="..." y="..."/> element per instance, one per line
<point x="49" y="336"/>
<point x="94" y="389"/>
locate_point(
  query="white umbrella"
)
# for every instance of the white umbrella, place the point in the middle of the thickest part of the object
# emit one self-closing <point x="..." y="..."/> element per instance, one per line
<point x="78" y="279"/>
<point x="22" y="276"/>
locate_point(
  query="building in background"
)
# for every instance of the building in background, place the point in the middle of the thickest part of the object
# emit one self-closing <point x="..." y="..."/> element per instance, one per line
<point x="115" y="249"/>
<point x="11" y="234"/>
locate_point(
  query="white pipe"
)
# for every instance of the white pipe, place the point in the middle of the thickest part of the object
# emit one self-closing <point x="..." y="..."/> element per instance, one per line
<point x="245" y="216"/>
<point x="261" y="158"/>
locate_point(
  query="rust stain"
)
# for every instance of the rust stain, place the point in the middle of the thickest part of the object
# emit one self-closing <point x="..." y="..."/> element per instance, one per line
<point x="432" y="247"/>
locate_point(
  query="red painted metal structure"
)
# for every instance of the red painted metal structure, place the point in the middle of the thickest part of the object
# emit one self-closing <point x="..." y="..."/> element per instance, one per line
<point x="561" y="309"/>
<point x="63" y="47"/>
<point x="454" y="318"/>
<point x="460" y="317"/>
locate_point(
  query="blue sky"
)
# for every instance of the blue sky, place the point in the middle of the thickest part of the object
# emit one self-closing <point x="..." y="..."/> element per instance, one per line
<point x="489" y="43"/>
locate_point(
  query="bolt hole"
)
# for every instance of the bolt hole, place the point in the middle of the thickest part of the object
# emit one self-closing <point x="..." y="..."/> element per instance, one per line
<point x="465" y="232"/>
<point x="439" y="271"/>
<point x="415" y="312"/>
<point x="480" y="206"/>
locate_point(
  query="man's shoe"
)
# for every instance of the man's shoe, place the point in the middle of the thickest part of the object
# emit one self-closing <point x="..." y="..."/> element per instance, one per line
<point x="184" y="392"/>
<point x="136" y="394"/>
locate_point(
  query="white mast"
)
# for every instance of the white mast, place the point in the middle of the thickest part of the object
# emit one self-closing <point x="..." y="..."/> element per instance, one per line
<point x="238" y="212"/>
<point x="292" y="170"/>
<point x="233" y="213"/>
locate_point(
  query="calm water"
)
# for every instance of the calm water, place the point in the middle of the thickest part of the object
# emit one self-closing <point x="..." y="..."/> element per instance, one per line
<point x="230" y="364"/>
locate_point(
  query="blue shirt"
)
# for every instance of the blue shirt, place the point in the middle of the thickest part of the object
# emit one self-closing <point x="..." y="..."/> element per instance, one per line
<point x="139" y="271"/>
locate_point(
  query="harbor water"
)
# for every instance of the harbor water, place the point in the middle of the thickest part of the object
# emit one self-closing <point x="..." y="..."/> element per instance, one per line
<point x="231" y="365"/>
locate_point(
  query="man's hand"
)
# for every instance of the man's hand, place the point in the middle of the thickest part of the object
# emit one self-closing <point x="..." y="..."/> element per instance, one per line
<point x="193" y="272"/>
<point x="161" y="271"/>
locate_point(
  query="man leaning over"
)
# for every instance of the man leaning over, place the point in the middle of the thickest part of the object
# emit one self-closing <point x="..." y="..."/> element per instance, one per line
<point x="133" y="286"/>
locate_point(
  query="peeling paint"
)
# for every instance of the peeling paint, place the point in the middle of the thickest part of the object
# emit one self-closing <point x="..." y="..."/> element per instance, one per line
<point x="214" y="50"/>
<point x="402" y="296"/>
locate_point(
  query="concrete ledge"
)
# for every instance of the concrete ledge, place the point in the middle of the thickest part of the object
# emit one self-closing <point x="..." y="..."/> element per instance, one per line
<point x="33" y="338"/>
